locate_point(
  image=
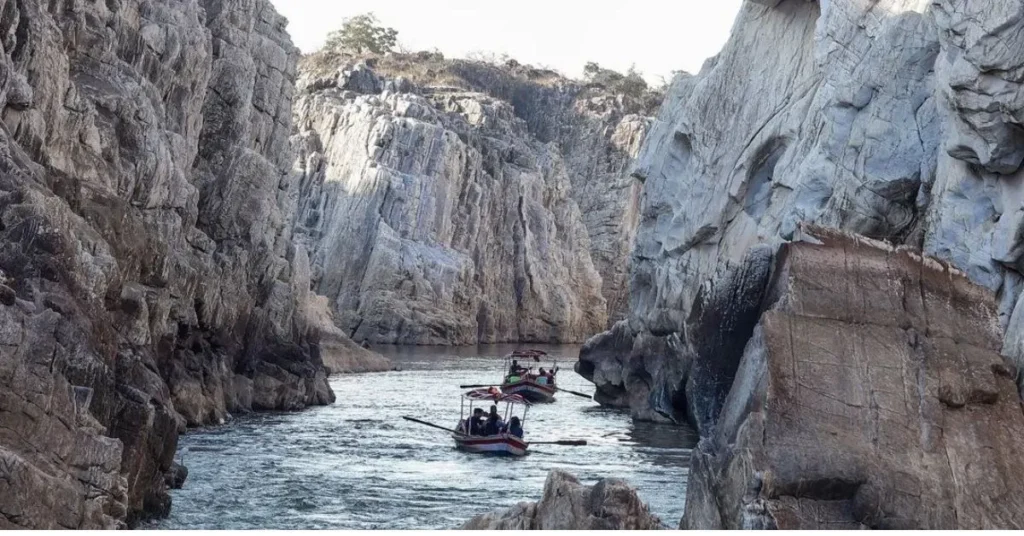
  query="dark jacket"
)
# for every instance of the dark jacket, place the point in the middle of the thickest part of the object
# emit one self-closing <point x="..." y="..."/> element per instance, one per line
<point x="476" y="426"/>
<point x="494" y="426"/>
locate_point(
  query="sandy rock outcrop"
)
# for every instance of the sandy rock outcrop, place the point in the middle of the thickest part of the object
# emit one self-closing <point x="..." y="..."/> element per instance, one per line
<point x="610" y="504"/>
<point x="148" y="277"/>
<point x="871" y="395"/>
<point x="452" y="215"/>
<point x="893" y="119"/>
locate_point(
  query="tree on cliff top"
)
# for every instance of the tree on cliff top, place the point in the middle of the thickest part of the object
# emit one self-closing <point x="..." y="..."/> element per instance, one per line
<point x="362" y="34"/>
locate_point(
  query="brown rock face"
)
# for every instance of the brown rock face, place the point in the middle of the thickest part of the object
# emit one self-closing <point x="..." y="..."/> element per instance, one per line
<point x="148" y="278"/>
<point x="871" y="395"/>
<point x="611" y="504"/>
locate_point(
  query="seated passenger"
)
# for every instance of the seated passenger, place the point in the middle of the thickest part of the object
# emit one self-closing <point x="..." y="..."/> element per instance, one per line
<point x="515" y="427"/>
<point x="494" y="423"/>
<point x="542" y="378"/>
<point x="476" y="422"/>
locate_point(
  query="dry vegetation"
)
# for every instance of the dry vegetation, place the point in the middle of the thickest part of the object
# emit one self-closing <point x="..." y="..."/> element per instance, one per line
<point x="363" y="39"/>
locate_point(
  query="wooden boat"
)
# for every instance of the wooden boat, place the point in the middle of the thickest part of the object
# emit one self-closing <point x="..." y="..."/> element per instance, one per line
<point x="535" y="388"/>
<point x="499" y="444"/>
<point x="503" y="444"/>
<point x="529" y="388"/>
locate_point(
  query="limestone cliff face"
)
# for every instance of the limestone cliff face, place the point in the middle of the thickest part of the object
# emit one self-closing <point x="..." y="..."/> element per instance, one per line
<point x="148" y="277"/>
<point x="895" y="119"/>
<point x="484" y="206"/>
<point x="871" y="395"/>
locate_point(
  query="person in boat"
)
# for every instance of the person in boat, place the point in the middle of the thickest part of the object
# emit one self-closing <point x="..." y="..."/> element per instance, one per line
<point x="476" y="422"/>
<point x="494" y="423"/>
<point x="515" y="427"/>
<point x="516" y="369"/>
<point x="542" y="378"/>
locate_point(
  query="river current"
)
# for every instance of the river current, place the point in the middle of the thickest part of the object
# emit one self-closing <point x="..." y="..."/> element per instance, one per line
<point x="358" y="465"/>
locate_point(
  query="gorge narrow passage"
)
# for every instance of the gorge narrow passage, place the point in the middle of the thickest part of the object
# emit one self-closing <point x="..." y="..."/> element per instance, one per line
<point x="357" y="465"/>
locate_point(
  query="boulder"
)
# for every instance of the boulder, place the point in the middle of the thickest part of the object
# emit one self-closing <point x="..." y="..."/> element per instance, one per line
<point x="610" y="504"/>
<point x="871" y="395"/>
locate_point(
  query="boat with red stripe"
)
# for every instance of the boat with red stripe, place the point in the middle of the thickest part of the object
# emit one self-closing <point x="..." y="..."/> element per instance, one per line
<point x="521" y="380"/>
<point x="480" y="432"/>
<point x="502" y="438"/>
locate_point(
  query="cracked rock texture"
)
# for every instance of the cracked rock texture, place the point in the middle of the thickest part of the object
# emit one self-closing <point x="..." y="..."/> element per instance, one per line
<point x="485" y="204"/>
<point x="871" y="395"/>
<point x="148" y="276"/>
<point x="894" y="119"/>
<point x="611" y="504"/>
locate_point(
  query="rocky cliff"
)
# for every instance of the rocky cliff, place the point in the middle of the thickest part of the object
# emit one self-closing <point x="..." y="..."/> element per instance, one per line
<point x="610" y="504"/>
<point x="871" y="395"/>
<point x="148" y="276"/>
<point x="456" y="202"/>
<point x="895" y="119"/>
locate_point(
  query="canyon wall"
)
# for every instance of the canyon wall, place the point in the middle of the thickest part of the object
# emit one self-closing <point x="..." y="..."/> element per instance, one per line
<point x="456" y="202"/>
<point x="148" y="276"/>
<point x="899" y="120"/>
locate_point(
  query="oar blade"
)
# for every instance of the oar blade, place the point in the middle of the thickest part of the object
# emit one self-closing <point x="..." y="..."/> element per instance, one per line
<point x="582" y="395"/>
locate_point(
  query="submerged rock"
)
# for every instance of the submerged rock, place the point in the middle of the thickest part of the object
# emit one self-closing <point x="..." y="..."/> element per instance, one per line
<point x="871" y="395"/>
<point x="611" y="504"/>
<point x="176" y="476"/>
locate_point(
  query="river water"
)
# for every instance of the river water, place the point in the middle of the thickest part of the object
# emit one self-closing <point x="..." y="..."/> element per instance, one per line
<point x="358" y="465"/>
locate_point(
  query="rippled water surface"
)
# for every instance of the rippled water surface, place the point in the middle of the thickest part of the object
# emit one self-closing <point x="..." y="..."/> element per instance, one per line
<point x="358" y="465"/>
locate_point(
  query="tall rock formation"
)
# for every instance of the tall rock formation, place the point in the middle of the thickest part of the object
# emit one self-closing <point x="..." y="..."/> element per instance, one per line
<point x="442" y="199"/>
<point x="871" y="395"/>
<point x="148" y="277"/>
<point x="895" y="119"/>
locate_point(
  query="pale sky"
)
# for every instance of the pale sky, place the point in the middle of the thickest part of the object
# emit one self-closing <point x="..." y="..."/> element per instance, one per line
<point x="659" y="36"/>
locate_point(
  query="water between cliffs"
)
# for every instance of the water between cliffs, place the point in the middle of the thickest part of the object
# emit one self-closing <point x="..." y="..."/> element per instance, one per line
<point x="358" y="465"/>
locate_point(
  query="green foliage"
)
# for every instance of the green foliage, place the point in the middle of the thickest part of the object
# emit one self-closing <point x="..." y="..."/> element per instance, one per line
<point x="362" y="34"/>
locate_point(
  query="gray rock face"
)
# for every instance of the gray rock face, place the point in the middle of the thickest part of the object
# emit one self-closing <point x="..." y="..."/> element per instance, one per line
<point x="611" y="504"/>
<point x="443" y="215"/>
<point x="148" y="277"/>
<point x="895" y="119"/>
<point x="871" y="395"/>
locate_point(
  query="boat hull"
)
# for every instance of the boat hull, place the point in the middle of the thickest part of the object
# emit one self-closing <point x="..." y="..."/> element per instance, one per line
<point x="504" y="444"/>
<point x="532" y="391"/>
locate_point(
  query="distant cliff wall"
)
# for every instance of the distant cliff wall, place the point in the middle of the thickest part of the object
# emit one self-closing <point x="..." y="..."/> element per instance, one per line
<point x="455" y="202"/>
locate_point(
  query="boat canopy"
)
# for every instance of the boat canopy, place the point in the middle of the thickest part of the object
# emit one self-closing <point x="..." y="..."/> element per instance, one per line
<point x="495" y="395"/>
<point x="534" y="354"/>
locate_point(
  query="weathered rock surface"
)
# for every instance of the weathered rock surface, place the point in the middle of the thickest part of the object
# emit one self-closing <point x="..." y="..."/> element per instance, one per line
<point x="611" y="504"/>
<point x="894" y="119"/>
<point x="447" y="210"/>
<point x="872" y="395"/>
<point x="148" y="277"/>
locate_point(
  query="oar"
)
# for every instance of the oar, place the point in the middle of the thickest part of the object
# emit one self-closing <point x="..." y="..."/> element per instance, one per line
<point x="574" y="393"/>
<point x="565" y="442"/>
<point x="476" y="386"/>
<point x="425" y="423"/>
